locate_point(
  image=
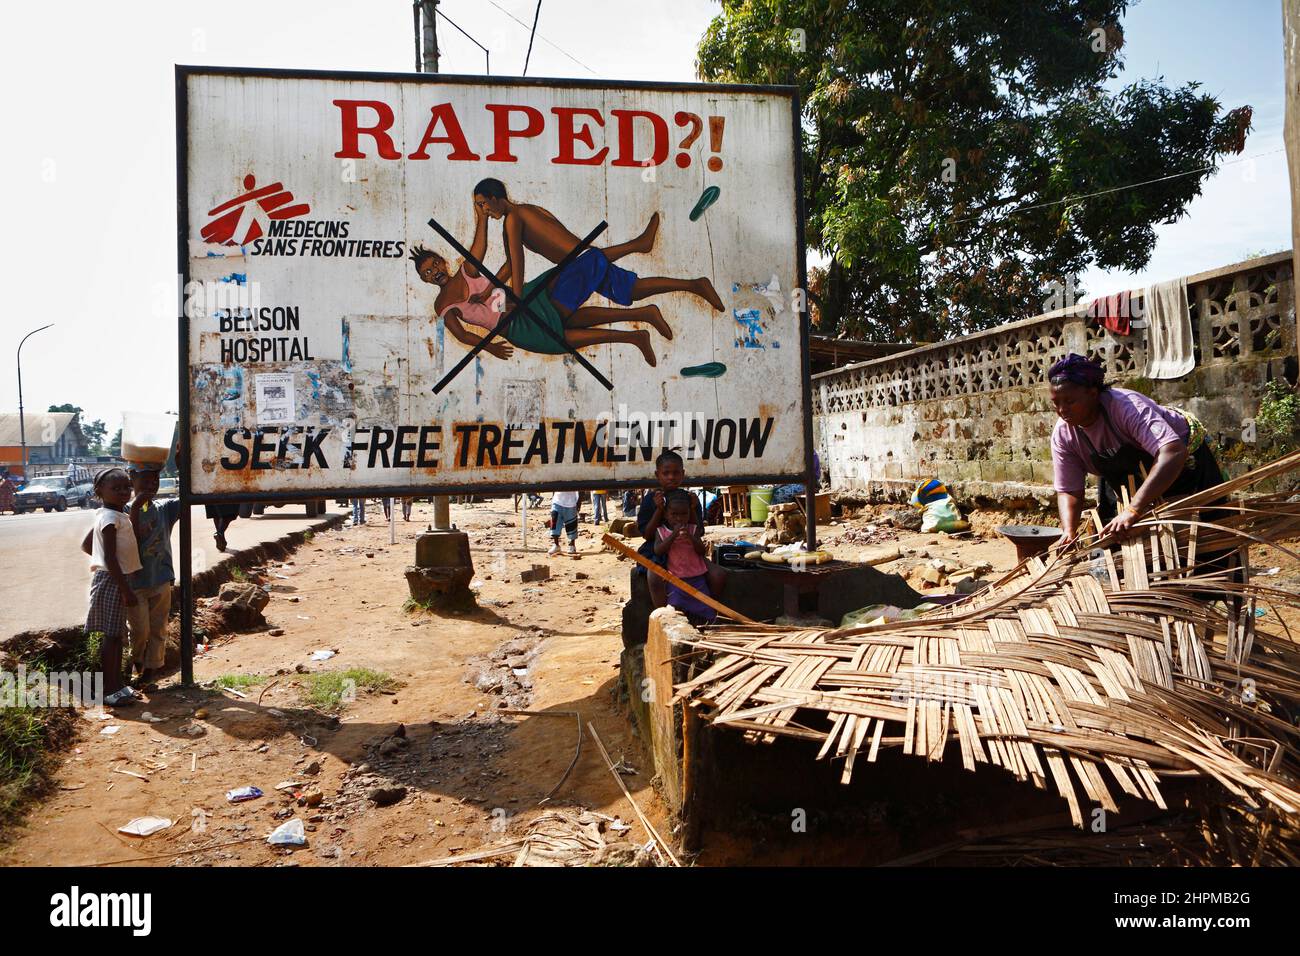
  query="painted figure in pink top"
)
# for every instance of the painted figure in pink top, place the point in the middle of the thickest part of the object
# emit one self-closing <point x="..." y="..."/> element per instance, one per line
<point x="470" y="306"/>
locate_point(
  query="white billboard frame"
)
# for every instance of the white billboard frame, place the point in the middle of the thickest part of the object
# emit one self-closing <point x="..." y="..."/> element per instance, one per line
<point x="431" y="487"/>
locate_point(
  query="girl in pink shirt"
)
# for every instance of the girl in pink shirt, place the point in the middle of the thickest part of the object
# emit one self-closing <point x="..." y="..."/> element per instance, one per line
<point x="682" y="543"/>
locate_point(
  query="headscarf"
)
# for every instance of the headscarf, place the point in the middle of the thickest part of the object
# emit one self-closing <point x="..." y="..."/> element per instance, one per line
<point x="1076" y="369"/>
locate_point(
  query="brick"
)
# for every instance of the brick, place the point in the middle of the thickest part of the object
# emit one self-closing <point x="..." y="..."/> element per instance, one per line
<point x="538" y="572"/>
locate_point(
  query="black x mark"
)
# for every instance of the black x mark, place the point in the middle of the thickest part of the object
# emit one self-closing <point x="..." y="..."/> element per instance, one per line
<point x="519" y="306"/>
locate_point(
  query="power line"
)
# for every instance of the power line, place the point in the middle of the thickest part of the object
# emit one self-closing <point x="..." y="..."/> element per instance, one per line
<point x="1116" y="189"/>
<point x="543" y="39"/>
<point x="529" y="55"/>
<point x="486" y="52"/>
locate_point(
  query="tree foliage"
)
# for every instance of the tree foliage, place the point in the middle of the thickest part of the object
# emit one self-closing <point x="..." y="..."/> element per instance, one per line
<point x="95" y="432"/>
<point x="963" y="158"/>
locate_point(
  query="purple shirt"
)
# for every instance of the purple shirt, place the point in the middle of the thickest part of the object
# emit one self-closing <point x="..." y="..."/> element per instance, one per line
<point x="1135" y="419"/>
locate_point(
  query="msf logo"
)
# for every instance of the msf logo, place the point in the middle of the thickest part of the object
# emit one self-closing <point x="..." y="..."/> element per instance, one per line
<point x="239" y="221"/>
<point x="76" y="909"/>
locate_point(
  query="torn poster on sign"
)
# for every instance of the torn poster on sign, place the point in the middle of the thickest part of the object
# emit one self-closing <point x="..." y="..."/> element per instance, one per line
<point x="275" y="403"/>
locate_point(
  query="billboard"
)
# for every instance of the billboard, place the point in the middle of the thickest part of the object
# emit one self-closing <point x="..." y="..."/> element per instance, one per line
<point x="400" y="282"/>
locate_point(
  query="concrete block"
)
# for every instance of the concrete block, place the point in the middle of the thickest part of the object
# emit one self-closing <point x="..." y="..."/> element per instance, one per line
<point x="538" y="572"/>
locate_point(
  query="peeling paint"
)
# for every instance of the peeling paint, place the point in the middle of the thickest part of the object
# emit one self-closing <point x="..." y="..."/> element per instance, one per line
<point x="751" y="328"/>
<point x="440" y="335"/>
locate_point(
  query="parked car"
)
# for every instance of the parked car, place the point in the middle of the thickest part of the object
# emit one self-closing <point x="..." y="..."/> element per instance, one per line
<point x="83" y="495"/>
<point x="50" y="492"/>
<point x="168" y="488"/>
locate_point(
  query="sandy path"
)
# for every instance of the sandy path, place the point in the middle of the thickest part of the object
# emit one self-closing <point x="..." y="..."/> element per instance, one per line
<point x="474" y="777"/>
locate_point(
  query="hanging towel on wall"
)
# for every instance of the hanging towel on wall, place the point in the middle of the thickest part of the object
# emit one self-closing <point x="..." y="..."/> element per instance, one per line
<point x="1169" y="330"/>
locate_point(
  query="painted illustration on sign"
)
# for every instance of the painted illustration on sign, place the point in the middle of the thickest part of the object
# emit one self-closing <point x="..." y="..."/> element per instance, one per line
<point x="558" y="316"/>
<point x="448" y="283"/>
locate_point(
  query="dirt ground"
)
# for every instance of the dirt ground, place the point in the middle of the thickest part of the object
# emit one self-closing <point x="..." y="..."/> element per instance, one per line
<point x="464" y="774"/>
<point x="474" y="776"/>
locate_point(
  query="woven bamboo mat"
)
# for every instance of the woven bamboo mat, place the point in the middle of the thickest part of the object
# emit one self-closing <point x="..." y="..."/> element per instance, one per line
<point x="1092" y="672"/>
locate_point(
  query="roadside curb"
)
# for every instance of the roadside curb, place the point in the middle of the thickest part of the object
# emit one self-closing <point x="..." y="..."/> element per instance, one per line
<point x="208" y="583"/>
<point x="59" y="642"/>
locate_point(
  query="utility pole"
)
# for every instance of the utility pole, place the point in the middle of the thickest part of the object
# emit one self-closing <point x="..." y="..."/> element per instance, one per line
<point x="441" y="503"/>
<point x="22" y="421"/>
<point x="430" y="35"/>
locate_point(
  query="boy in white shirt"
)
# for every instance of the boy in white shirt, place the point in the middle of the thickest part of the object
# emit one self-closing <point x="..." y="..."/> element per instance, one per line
<point x="564" y="511"/>
<point x="113" y="555"/>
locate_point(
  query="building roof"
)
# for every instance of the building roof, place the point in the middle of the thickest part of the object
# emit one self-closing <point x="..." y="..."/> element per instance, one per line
<point x="827" y="353"/>
<point x="37" y="425"/>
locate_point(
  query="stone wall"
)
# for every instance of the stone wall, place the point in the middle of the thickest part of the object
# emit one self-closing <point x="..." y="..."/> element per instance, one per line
<point x="975" y="412"/>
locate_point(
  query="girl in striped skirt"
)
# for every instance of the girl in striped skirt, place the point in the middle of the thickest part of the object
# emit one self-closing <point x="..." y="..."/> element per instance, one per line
<point x="113" y="555"/>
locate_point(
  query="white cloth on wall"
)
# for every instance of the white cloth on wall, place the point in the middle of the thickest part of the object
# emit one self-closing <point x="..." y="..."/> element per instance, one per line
<point x="1169" y="330"/>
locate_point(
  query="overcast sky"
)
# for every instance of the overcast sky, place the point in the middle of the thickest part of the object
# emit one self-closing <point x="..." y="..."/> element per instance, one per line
<point x="89" y="144"/>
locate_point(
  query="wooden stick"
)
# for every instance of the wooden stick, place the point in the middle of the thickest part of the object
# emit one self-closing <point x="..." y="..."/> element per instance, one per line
<point x="674" y="580"/>
<point x="116" y="837"/>
<point x="177" y="852"/>
<point x="654" y="834"/>
<point x="485" y="853"/>
<point x="577" y="751"/>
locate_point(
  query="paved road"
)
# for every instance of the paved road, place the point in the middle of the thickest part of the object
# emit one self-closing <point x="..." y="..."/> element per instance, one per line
<point x="44" y="576"/>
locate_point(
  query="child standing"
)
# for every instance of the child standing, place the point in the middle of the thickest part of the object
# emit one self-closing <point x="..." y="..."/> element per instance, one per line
<point x="599" y="507"/>
<point x="680" y="544"/>
<point x="564" y="512"/>
<point x="113" y="556"/>
<point x="147" y="618"/>
<point x="670" y="473"/>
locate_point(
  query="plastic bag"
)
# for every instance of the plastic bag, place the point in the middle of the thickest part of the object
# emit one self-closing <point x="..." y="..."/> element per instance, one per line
<point x="942" y="515"/>
<point x="883" y="613"/>
<point x="145" y="826"/>
<point x="290" y="833"/>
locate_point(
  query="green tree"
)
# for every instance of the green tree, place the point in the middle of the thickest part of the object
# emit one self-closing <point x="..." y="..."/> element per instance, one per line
<point x="95" y="433"/>
<point x="115" y="447"/>
<point x="964" y="158"/>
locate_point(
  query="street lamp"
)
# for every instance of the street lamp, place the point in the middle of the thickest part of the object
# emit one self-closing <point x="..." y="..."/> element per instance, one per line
<point x="22" y="423"/>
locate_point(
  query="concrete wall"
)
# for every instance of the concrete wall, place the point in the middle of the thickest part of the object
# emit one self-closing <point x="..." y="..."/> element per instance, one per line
<point x="974" y="411"/>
